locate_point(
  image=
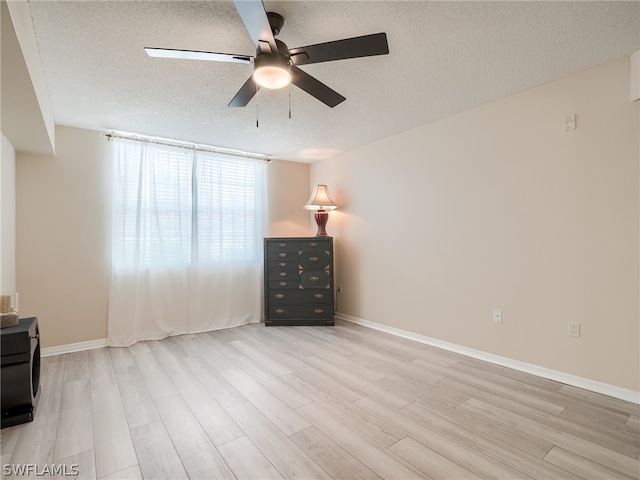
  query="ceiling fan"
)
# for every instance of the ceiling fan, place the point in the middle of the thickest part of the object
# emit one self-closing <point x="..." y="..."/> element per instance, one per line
<point x="275" y="65"/>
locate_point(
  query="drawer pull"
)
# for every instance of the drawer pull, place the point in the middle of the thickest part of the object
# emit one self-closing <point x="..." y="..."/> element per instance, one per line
<point x="282" y="245"/>
<point x="279" y="311"/>
<point x="282" y="264"/>
<point x="314" y="259"/>
<point x="313" y="244"/>
<point x="318" y="295"/>
<point x="283" y="284"/>
<point x="283" y="274"/>
<point x="319" y="311"/>
<point x="279" y="296"/>
<point x="314" y="278"/>
<point x="282" y="254"/>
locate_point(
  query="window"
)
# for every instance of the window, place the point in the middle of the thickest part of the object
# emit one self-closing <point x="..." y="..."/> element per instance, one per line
<point x="175" y="206"/>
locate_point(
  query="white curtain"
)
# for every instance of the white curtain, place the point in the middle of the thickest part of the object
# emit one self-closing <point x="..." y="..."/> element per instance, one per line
<point x="186" y="241"/>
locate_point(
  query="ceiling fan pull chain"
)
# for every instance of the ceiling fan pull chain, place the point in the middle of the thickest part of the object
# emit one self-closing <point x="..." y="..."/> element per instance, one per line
<point x="257" y="121"/>
<point x="289" y="101"/>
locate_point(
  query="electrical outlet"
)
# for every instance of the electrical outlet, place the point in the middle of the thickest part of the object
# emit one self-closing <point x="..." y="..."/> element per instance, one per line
<point x="339" y="288"/>
<point x="574" y="329"/>
<point x="497" y="315"/>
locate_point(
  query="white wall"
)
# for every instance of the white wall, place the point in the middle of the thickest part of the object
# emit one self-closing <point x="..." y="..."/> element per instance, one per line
<point x="63" y="232"/>
<point x="7" y="216"/>
<point x="63" y="239"/>
<point x="500" y="207"/>
<point x="287" y="193"/>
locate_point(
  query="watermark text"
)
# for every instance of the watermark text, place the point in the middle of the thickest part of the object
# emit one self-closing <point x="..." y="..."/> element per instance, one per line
<point x="31" y="469"/>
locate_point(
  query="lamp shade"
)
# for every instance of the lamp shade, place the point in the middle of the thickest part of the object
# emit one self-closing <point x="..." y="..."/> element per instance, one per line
<point x="320" y="199"/>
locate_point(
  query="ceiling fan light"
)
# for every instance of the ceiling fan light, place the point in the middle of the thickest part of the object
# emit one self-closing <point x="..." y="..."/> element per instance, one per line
<point x="271" y="71"/>
<point x="272" y="77"/>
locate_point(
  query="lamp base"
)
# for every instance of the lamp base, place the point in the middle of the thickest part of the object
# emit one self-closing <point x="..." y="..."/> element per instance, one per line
<point x="321" y="217"/>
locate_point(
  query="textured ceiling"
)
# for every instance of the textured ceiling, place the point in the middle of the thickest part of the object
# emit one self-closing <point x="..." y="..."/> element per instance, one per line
<point x="444" y="57"/>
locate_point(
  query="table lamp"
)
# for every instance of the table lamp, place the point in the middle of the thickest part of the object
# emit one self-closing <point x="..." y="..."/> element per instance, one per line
<point x="321" y="202"/>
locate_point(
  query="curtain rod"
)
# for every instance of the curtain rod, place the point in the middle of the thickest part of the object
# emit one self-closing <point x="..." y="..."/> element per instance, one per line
<point x="186" y="145"/>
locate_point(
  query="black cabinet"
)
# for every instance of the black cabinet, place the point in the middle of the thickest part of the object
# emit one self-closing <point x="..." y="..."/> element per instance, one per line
<point x="20" y="373"/>
<point x="298" y="281"/>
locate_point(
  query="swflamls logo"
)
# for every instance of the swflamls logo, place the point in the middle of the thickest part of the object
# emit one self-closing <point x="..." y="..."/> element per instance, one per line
<point x="31" y="469"/>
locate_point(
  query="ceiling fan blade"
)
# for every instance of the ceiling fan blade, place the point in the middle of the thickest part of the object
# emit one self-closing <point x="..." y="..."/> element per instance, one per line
<point x="315" y="87"/>
<point x="365" y="46"/>
<point x="245" y="94"/>
<point x="195" y="55"/>
<point x="254" y="17"/>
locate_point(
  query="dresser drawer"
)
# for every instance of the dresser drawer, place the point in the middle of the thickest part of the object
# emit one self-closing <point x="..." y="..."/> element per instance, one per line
<point x="284" y="284"/>
<point x="300" y="311"/>
<point x="282" y="270"/>
<point x="314" y="245"/>
<point x="315" y="279"/>
<point x="307" y="297"/>
<point x="282" y="255"/>
<point x="319" y="260"/>
<point x="283" y="245"/>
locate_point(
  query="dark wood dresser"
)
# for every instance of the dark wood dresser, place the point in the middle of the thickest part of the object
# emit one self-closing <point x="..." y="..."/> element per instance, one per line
<point x="298" y="281"/>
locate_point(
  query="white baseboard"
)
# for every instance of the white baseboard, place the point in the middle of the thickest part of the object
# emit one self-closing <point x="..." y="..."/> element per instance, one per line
<point x="566" y="378"/>
<point x="73" y="347"/>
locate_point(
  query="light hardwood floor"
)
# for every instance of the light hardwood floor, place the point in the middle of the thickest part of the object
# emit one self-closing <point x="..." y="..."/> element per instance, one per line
<point x="314" y="403"/>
